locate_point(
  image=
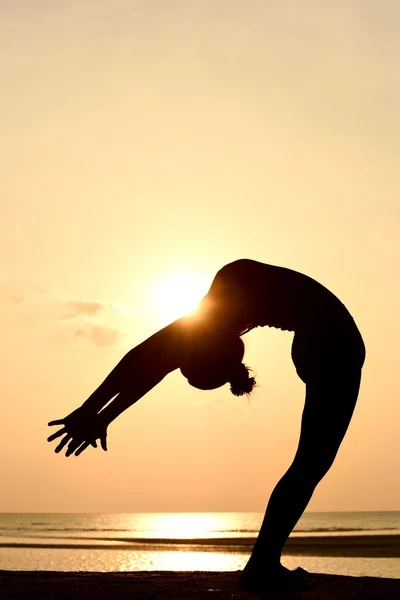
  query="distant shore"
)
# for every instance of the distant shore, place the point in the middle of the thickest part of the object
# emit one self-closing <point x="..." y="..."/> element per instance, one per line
<point x="35" y="585"/>
<point x="372" y="546"/>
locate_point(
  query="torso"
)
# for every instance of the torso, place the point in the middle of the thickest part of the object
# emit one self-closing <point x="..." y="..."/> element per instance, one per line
<point x="258" y="294"/>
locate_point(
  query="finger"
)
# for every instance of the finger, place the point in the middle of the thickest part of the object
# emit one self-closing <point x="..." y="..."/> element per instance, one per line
<point x="103" y="442"/>
<point x="82" y="448"/>
<point x="63" y="442"/>
<point x="72" y="446"/>
<point x="54" y="436"/>
<point x="56" y="422"/>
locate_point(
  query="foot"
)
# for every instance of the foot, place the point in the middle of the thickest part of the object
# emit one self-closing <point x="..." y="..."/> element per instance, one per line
<point x="261" y="577"/>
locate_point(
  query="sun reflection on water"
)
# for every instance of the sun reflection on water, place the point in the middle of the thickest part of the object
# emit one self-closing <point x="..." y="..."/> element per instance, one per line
<point x="178" y="561"/>
<point x="178" y="525"/>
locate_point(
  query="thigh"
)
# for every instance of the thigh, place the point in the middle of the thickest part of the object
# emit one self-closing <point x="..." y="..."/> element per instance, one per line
<point x="328" y="409"/>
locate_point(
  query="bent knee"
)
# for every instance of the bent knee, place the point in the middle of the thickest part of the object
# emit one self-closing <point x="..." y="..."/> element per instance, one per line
<point x="309" y="470"/>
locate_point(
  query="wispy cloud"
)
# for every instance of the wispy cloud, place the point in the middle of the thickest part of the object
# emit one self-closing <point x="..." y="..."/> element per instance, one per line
<point x="102" y="324"/>
<point x="16" y="292"/>
<point x="100" y="335"/>
<point x="76" y="309"/>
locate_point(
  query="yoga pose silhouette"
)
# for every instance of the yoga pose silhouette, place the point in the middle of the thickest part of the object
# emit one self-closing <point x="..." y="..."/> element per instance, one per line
<point x="328" y="353"/>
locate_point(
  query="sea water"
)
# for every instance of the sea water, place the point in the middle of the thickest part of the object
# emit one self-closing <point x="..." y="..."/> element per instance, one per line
<point x="145" y="541"/>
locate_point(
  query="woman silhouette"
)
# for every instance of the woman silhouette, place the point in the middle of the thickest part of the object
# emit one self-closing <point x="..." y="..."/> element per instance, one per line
<point x="328" y="354"/>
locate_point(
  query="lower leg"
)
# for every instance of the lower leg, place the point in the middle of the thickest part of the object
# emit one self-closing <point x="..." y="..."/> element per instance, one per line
<point x="286" y="505"/>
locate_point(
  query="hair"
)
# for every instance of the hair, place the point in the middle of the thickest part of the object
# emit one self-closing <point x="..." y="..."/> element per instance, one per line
<point x="241" y="382"/>
<point x="210" y="360"/>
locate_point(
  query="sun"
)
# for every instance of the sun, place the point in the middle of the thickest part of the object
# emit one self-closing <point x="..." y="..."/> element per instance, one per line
<point x="179" y="294"/>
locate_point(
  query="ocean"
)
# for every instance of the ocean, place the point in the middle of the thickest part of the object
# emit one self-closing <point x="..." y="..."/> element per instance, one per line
<point x="179" y="541"/>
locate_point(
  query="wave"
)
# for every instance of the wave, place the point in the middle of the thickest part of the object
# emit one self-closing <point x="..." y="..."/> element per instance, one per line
<point x="32" y="531"/>
<point x="345" y="529"/>
<point x="315" y="529"/>
<point x="68" y="529"/>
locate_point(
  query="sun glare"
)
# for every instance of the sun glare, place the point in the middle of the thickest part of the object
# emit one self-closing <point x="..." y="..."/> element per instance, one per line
<point x="180" y="294"/>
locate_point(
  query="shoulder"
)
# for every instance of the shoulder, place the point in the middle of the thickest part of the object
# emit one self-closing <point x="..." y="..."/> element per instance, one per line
<point x="239" y="268"/>
<point x="238" y="281"/>
<point x="248" y="273"/>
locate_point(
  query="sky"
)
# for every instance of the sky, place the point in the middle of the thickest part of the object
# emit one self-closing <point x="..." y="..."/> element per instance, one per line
<point x="147" y="141"/>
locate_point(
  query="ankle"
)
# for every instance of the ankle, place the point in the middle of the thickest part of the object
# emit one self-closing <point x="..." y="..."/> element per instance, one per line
<point x="266" y="561"/>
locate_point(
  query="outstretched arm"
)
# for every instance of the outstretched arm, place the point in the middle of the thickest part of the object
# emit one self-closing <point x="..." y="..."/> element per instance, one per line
<point x="141" y="369"/>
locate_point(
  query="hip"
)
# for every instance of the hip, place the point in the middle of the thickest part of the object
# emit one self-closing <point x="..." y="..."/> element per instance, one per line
<point x="328" y="348"/>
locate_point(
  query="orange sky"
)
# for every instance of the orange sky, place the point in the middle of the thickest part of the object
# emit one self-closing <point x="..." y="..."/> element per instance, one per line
<point x="141" y="140"/>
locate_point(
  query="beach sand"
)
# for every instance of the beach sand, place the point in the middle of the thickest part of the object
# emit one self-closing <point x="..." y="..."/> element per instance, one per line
<point x="198" y="585"/>
<point x="372" y="546"/>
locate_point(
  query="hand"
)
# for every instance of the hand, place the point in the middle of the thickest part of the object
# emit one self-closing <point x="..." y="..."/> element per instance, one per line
<point x="80" y="429"/>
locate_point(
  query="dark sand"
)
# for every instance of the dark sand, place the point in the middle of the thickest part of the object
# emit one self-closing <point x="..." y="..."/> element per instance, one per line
<point x="373" y="546"/>
<point x="154" y="585"/>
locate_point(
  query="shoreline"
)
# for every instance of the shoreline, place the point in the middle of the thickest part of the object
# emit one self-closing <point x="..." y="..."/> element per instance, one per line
<point x="194" y="585"/>
<point x="362" y="546"/>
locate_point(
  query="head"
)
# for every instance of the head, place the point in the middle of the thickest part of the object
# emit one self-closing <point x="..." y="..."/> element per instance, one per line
<point x="212" y="359"/>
